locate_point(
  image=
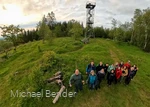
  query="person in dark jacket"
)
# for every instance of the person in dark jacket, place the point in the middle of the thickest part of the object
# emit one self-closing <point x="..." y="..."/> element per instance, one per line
<point x="99" y="67"/>
<point x="77" y="80"/>
<point x="111" y="77"/>
<point x="92" y="80"/>
<point x="90" y="67"/>
<point x="106" y="67"/>
<point x="116" y="65"/>
<point x="100" y="77"/>
<point x="135" y="70"/>
<point x="110" y="67"/>
<point x="121" y="65"/>
<point x="129" y="76"/>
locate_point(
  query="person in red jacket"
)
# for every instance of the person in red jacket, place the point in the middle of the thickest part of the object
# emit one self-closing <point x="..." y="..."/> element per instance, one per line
<point x="118" y="74"/>
<point x="128" y="65"/>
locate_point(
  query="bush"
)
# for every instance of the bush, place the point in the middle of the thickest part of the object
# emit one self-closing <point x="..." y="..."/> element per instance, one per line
<point x="5" y="47"/>
<point x="47" y="61"/>
<point x="38" y="80"/>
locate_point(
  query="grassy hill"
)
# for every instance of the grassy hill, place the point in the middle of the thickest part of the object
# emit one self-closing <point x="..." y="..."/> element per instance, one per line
<point x="23" y="71"/>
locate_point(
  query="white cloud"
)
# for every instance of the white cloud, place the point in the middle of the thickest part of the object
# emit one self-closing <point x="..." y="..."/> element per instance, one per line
<point x="27" y="13"/>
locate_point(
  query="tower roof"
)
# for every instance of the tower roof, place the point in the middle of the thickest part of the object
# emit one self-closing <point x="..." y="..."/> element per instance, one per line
<point x="90" y="5"/>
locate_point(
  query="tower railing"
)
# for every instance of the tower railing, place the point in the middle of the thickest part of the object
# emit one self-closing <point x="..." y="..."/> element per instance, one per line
<point x="89" y="21"/>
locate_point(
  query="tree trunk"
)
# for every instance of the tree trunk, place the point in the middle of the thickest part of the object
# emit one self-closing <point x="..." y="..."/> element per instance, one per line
<point x="58" y="94"/>
<point x="6" y="52"/>
<point x="114" y="36"/>
<point x="43" y="40"/>
<point x="15" y="45"/>
<point x="146" y="35"/>
<point x="131" y="41"/>
<point x="15" y="48"/>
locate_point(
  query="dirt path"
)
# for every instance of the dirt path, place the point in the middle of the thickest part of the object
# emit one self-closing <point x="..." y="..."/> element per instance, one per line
<point x="115" y="53"/>
<point x="114" y="56"/>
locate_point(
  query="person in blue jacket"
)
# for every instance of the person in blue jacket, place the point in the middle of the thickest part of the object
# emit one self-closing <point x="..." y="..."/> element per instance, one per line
<point x="92" y="80"/>
<point x="90" y="67"/>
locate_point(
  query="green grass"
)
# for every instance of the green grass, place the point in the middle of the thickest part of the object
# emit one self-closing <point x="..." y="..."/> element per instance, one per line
<point x="22" y="71"/>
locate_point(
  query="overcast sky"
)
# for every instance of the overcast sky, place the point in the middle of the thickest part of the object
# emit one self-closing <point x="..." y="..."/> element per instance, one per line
<point x="27" y="13"/>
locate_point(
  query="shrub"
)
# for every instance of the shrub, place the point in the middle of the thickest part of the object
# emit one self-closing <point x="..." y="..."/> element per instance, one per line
<point x="47" y="61"/>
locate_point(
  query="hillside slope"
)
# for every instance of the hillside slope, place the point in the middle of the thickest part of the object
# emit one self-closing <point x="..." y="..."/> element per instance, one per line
<point x="23" y="71"/>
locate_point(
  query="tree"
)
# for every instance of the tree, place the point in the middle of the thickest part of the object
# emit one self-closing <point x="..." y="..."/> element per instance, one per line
<point x="69" y="27"/>
<point x="136" y="20"/>
<point x="141" y="25"/>
<point x="119" y="34"/>
<point x="11" y="33"/>
<point x="124" y="32"/>
<point x="51" y="20"/>
<point x="107" y="30"/>
<point x="5" y="47"/>
<point x="58" y="31"/>
<point x="99" y="32"/>
<point x="126" y="26"/>
<point x="146" y="21"/>
<point x="111" y="34"/>
<point x="24" y="37"/>
<point x="64" y="29"/>
<point x="76" y="31"/>
<point x="44" y="31"/>
<point x="127" y="36"/>
<point x="114" y="23"/>
<point x="35" y="35"/>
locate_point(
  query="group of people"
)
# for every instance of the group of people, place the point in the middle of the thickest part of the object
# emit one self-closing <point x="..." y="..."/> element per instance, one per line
<point x="117" y="72"/>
